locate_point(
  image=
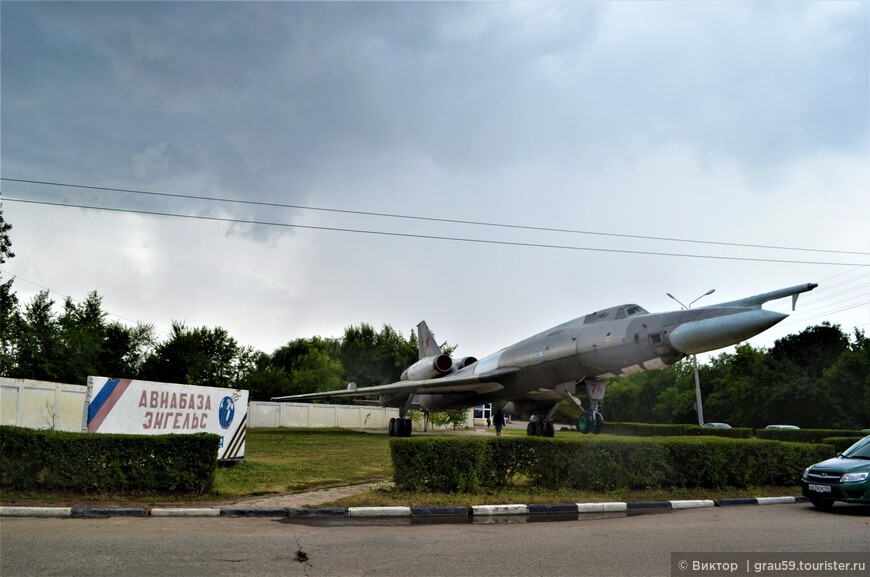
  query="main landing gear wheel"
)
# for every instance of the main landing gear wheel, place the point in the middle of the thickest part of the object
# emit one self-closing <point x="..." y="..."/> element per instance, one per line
<point x="537" y="429"/>
<point x="400" y="427"/>
<point x="590" y="423"/>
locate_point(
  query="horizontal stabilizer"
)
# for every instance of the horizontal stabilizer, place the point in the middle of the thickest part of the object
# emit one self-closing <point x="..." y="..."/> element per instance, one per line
<point x="758" y="300"/>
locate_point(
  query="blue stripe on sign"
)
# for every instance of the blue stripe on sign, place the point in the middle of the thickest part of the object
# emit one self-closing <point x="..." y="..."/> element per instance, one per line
<point x="102" y="396"/>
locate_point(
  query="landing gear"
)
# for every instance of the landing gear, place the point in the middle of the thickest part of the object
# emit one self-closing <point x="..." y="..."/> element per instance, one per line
<point x="400" y="427"/>
<point x="590" y="422"/>
<point x="541" y="429"/>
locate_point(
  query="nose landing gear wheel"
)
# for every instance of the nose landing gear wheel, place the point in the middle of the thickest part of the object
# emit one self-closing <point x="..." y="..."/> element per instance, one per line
<point x="584" y="423"/>
<point x="599" y="423"/>
<point x="590" y="423"/>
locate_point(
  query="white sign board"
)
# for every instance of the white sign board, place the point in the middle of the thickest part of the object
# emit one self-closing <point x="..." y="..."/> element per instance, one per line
<point x="148" y="408"/>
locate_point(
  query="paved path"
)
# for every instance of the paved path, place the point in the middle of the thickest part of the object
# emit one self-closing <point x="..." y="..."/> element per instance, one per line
<point x="308" y="499"/>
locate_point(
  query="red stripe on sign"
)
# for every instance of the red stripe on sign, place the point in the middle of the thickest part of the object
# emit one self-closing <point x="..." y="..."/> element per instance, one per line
<point x="104" y="411"/>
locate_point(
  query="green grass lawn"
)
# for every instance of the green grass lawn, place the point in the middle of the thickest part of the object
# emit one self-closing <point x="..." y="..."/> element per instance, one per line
<point x="292" y="460"/>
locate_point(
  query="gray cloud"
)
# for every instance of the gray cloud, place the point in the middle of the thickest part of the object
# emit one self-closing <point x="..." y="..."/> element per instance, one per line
<point x="634" y="117"/>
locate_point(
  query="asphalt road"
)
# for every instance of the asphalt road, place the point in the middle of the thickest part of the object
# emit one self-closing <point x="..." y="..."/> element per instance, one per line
<point x="216" y="547"/>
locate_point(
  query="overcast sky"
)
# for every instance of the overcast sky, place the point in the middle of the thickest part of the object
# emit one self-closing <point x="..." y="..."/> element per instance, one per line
<point x="736" y="123"/>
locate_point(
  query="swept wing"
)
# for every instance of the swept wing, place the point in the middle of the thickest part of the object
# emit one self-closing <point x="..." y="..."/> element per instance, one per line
<point x="462" y="382"/>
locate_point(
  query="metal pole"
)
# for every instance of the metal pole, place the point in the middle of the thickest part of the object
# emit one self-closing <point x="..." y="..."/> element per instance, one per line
<point x="698" y="392"/>
<point x="698" y="404"/>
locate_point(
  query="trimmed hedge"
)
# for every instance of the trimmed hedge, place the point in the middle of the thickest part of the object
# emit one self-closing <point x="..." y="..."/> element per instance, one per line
<point x="657" y="430"/>
<point x="805" y="435"/>
<point x="105" y="463"/>
<point x="449" y="464"/>
<point x="840" y="444"/>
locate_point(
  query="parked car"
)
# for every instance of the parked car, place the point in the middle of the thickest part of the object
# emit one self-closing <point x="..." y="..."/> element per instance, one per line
<point x="846" y="477"/>
<point x="791" y="427"/>
<point x="716" y="425"/>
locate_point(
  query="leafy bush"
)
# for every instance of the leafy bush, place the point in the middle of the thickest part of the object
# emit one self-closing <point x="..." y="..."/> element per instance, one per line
<point x="840" y="444"/>
<point x="439" y="464"/>
<point x="598" y="463"/>
<point x="804" y="435"/>
<point x="656" y="430"/>
<point x="104" y="463"/>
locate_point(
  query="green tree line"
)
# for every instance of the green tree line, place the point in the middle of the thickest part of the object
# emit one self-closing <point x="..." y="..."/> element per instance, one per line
<point x="818" y="378"/>
<point x="42" y="344"/>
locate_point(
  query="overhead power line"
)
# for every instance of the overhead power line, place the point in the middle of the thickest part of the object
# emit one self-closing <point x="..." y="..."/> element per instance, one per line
<point x="425" y="218"/>
<point x="429" y="237"/>
<point x="76" y="301"/>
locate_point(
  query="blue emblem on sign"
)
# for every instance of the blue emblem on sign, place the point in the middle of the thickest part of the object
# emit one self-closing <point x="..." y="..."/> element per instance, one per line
<point x="226" y="412"/>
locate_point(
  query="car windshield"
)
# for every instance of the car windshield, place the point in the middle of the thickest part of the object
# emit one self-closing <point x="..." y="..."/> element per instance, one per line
<point x="860" y="450"/>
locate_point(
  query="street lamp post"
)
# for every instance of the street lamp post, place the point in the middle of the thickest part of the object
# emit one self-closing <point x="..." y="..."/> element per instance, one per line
<point x="695" y="358"/>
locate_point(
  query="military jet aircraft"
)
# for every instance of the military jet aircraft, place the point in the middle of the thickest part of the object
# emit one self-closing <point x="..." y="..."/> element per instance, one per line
<point x="536" y="375"/>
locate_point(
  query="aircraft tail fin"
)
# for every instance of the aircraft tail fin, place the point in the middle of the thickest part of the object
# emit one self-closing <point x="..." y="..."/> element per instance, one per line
<point x="426" y="344"/>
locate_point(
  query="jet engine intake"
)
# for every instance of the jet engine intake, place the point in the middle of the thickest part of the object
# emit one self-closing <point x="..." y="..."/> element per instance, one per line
<point x="428" y="368"/>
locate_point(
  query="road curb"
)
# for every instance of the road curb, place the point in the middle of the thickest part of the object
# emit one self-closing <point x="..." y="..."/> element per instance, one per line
<point x="185" y="512"/>
<point x="441" y="511"/>
<point x="737" y="501"/>
<point x="647" y="505"/>
<point x="90" y="512"/>
<point x="613" y="507"/>
<point x="253" y="512"/>
<point x="56" y="512"/>
<point x="363" y="512"/>
<point x="692" y="504"/>
<point x="475" y="511"/>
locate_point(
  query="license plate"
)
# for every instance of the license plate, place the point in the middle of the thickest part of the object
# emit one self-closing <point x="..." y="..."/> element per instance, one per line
<point x="820" y="488"/>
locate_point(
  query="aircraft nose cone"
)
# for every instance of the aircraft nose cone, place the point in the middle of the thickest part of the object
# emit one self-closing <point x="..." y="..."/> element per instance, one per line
<point x="715" y="333"/>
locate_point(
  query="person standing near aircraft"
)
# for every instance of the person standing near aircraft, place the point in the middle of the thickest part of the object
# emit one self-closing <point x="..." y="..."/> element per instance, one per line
<point x="498" y="421"/>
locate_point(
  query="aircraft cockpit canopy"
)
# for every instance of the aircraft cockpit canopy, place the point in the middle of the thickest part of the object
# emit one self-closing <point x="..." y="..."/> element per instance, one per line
<point x="615" y="313"/>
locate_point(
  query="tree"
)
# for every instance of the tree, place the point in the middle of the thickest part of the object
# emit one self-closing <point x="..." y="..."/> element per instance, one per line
<point x="371" y="358"/>
<point x="82" y="332"/>
<point x="635" y="398"/>
<point x="9" y="313"/>
<point x="457" y="418"/>
<point x="265" y="380"/>
<point x="5" y="242"/>
<point x="848" y="381"/>
<point x="200" y="356"/>
<point x="125" y="349"/>
<point x="317" y="371"/>
<point x="38" y="341"/>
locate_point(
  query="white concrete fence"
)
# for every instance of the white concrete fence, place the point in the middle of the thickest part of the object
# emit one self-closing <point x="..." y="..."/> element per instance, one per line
<point x="44" y="405"/>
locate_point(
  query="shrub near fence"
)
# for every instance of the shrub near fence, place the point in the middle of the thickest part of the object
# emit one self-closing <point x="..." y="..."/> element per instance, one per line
<point x="39" y="460"/>
<point x="658" y="430"/>
<point x="598" y="463"/>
